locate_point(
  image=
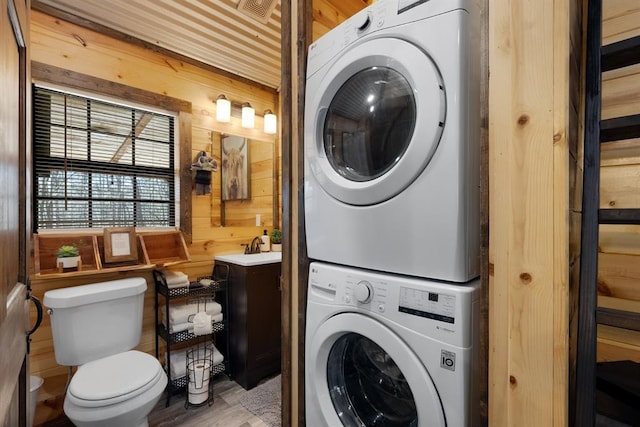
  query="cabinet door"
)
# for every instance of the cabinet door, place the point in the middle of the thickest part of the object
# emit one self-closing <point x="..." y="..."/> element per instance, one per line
<point x="263" y="312"/>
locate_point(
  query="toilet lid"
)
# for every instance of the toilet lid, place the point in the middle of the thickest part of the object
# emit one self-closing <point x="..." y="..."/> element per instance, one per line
<point x="118" y="377"/>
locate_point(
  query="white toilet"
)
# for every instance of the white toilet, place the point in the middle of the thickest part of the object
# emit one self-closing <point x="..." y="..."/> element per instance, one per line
<point x="95" y="327"/>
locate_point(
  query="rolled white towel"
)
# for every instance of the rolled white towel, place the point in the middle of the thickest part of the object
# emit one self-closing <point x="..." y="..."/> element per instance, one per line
<point x="202" y="324"/>
<point x="179" y="313"/>
<point x="179" y="361"/>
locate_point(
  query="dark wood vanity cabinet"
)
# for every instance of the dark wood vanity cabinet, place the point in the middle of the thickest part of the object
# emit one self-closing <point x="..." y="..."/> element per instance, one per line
<point x="254" y="322"/>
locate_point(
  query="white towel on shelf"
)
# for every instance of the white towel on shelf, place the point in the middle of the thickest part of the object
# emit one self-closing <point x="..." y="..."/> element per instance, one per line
<point x="173" y="276"/>
<point x="202" y="324"/>
<point x="179" y="361"/>
<point x="175" y="279"/>
<point x="179" y="327"/>
<point x="179" y="313"/>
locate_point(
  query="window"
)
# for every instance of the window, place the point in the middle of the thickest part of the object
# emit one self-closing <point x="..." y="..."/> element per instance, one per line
<point x="100" y="164"/>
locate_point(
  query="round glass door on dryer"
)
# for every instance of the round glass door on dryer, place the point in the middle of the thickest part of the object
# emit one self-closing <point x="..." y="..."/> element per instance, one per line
<point x="390" y="145"/>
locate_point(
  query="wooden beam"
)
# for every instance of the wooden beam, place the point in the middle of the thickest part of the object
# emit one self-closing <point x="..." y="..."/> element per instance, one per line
<point x="288" y="308"/>
<point x="71" y="79"/>
<point x="529" y="50"/>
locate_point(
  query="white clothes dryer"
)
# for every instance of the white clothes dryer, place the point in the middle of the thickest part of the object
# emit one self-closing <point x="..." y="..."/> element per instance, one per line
<point x="387" y="350"/>
<point x="391" y="140"/>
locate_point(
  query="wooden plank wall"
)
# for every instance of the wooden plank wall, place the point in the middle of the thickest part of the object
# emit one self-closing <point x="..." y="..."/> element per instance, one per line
<point x="62" y="44"/>
<point x="534" y="56"/>
<point x="619" y="259"/>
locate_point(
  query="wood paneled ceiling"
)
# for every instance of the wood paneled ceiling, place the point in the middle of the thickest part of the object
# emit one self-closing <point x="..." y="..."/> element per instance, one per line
<point x="213" y="32"/>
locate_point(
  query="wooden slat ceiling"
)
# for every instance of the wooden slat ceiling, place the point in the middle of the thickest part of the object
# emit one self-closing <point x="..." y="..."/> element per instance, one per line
<point x="210" y="31"/>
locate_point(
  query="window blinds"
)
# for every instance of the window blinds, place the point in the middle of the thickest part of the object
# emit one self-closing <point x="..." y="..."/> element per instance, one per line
<point x="99" y="164"/>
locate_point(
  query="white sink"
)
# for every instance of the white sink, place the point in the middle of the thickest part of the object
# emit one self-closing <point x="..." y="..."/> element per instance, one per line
<point x="248" y="260"/>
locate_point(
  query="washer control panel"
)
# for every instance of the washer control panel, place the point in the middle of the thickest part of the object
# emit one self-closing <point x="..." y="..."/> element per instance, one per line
<point x="433" y="305"/>
<point x="436" y="309"/>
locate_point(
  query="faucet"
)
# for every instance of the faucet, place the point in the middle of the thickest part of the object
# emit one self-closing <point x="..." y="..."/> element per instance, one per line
<point x="255" y="245"/>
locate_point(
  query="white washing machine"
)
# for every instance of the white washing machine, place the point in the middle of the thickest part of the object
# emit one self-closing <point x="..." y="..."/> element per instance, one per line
<point x="391" y="140"/>
<point x="386" y="350"/>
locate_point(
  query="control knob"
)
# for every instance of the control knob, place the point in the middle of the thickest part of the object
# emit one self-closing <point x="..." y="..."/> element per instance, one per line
<point x="363" y="22"/>
<point x="363" y="292"/>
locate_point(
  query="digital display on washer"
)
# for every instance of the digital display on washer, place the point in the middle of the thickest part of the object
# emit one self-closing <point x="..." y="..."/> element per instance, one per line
<point x="431" y="305"/>
<point x="404" y="5"/>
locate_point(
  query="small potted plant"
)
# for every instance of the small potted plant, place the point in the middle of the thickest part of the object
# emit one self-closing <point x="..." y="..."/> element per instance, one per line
<point x="276" y="240"/>
<point x="68" y="256"/>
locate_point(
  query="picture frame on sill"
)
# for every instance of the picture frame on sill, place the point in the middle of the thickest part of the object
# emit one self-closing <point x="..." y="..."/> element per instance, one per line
<point x="120" y="244"/>
<point x="235" y="168"/>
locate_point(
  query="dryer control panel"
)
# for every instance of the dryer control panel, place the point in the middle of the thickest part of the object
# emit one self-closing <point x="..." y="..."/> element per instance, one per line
<point x="432" y="308"/>
<point x="381" y="15"/>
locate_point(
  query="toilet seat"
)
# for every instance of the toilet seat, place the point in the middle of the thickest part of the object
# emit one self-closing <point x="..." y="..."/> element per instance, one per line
<point x="114" y="379"/>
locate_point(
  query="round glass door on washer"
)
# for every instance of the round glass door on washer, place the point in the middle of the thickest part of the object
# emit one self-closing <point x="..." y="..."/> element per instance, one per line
<point x="391" y="140"/>
<point x="388" y="351"/>
<point x="366" y="386"/>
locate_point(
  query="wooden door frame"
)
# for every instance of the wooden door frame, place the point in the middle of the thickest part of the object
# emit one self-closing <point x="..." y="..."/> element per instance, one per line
<point x="14" y="313"/>
<point x="296" y="35"/>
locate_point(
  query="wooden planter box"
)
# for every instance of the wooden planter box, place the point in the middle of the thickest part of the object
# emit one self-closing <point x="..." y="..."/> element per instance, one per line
<point x="45" y="248"/>
<point x="164" y="249"/>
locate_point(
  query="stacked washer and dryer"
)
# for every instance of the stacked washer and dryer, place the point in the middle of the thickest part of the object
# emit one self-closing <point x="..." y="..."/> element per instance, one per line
<point x="392" y="218"/>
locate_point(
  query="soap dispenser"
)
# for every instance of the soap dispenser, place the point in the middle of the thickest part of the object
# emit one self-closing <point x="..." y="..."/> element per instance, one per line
<point x="265" y="246"/>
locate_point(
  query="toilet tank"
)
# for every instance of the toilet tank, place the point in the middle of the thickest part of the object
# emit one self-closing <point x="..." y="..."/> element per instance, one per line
<point x="89" y="322"/>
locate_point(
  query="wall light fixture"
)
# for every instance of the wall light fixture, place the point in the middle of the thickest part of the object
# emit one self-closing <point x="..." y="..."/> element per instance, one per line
<point x="223" y="109"/>
<point x="226" y="108"/>
<point x="270" y="122"/>
<point x="248" y="116"/>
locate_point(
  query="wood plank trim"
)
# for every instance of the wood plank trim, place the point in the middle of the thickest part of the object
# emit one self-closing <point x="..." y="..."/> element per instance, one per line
<point x="619" y="216"/>
<point x="118" y="35"/>
<point x="288" y="319"/>
<point x="620" y="128"/>
<point x="51" y="74"/>
<point x="304" y="39"/>
<point x="621" y="54"/>
<point x="583" y="413"/>
<point x="618" y="318"/>
<point x="528" y="257"/>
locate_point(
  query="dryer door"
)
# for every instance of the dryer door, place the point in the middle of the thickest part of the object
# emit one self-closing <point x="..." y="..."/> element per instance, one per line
<point x="374" y="120"/>
<point x="363" y="374"/>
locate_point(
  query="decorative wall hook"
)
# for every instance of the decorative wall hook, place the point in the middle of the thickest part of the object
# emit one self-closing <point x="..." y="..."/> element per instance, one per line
<point x="203" y="165"/>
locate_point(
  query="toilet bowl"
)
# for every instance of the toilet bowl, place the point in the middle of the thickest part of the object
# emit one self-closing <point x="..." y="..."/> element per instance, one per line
<point x="95" y="328"/>
<point x="118" y="390"/>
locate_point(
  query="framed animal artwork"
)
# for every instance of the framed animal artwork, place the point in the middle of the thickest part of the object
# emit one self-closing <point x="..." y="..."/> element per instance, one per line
<point x="235" y="168"/>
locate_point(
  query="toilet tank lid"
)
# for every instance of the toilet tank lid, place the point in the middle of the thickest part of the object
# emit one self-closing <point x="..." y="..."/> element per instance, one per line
<point x="86" y="294"/>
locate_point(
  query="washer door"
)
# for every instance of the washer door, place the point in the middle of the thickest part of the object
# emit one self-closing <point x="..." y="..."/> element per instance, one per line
<point x="363" y="374"/>
<point x="375" y="121"/>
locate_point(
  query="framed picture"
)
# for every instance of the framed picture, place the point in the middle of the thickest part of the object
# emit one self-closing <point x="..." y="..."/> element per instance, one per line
<point x="120" y="244"/>
<point x="235" y="168"/>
